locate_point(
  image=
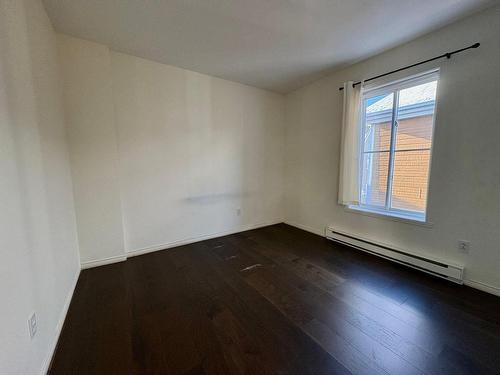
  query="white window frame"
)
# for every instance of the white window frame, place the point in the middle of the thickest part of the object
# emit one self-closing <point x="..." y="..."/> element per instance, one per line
<point x="386" y="89"/>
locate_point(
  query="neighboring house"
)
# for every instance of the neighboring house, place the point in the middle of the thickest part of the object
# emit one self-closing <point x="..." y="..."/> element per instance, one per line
<point x="412" y="148"/>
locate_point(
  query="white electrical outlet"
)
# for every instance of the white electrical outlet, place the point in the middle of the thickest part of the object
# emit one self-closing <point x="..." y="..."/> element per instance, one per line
<point x="464" y="246"/>
<point x="32" y="325"/>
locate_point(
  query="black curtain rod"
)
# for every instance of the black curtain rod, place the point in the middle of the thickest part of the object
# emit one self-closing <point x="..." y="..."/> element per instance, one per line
<point x="447" y="55"/>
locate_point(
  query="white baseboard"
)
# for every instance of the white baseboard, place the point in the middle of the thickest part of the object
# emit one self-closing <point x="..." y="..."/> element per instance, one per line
<point x="59" y="326"/>
<point x="306" y="228"/>
<point x="482" y="286"/>
<point x="102" y="262"/>
<point x="120" y="258"/>
<point x="187" y="241"/>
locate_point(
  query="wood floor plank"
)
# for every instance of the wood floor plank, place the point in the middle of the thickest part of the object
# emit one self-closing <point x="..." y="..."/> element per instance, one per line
<point x="301" y="354"/>
<point x="280" y="291"/>
<point x="234" y="327"/>
<point x="163" y="337"/>
<point x="402" y="339"/>
<point x="100" y="316"/>
<point x="471" y="340"/>
<point x="274" y="300"/>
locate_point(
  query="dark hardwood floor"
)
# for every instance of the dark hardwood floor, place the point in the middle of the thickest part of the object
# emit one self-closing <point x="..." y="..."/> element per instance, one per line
<point x="274" y="300"/>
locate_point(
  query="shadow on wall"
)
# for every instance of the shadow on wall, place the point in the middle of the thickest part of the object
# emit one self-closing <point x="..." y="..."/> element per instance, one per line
<point x="216" y="197"/>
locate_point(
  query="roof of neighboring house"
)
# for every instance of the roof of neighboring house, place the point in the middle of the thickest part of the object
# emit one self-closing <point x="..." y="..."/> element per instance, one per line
<point x="407" y="97"/>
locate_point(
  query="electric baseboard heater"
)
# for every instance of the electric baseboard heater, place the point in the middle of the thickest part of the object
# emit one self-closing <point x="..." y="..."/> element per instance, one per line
<point x="434" y="267"/>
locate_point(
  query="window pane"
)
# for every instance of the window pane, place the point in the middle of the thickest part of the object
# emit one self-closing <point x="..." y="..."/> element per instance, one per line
<point x="410" y="153"/>
<point x="415" y="117"/>
<point x="375" y="168"/>
<point x="410" y="180"/>
<point x="377" y="122"/>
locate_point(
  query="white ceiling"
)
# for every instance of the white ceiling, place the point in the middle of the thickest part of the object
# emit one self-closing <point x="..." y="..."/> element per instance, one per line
<point x="272" y="44"/>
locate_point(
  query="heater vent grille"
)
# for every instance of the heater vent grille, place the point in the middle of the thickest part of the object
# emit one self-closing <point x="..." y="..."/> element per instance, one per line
<point x="434" y="267"/>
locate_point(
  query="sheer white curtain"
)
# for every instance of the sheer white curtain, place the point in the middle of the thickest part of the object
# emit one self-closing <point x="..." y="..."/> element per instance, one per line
<point x="349" y="147"/>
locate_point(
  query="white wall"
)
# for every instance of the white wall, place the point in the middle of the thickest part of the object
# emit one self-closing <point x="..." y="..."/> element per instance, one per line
<point x="189" y="150"/>
<point x="192" y="150"/>
<point x="38" y="240"/>
<point x="88" y="99"/>
<point x="464" y="200"/>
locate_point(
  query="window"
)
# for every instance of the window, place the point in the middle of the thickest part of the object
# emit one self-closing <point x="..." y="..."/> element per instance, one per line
<point x="396" y="139"/>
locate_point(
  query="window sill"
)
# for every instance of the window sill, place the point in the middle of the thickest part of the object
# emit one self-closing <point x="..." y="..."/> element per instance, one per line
<point x="388" y="216"/>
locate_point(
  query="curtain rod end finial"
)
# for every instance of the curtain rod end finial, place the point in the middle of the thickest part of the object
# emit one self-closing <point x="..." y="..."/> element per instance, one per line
<point x="475" y="45"/>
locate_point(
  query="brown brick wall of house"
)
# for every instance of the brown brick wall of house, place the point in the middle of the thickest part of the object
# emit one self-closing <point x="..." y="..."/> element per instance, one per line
<point x="411" y="168"/>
